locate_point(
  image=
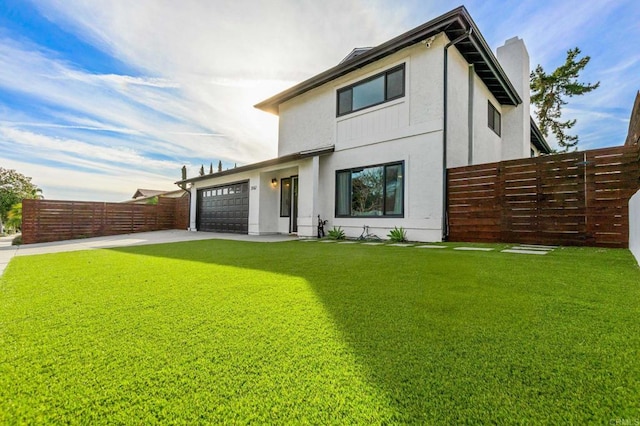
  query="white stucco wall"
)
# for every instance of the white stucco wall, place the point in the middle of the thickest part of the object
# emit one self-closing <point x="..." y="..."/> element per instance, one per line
<point x="422" y="156"/>
<point x="487" y="146"/>
<point x="634" y="225"/>
<point x="283" y="222"/>
<point x="457" y="109"/>
<point x="308" y="196"/>
<point x="407" y="129"/>
<point x="268" y="204"/>
<point x="309" y="121"/>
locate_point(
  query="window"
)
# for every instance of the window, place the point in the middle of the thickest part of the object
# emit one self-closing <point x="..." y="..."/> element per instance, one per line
<point x="494" y="119"/>
<point x="285" y="197"/>
<point x="375" y="90"/>
<point x="370" y="191"/>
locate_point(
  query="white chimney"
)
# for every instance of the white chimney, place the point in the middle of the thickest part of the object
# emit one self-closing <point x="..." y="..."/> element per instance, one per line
<point x="516" y="130"/>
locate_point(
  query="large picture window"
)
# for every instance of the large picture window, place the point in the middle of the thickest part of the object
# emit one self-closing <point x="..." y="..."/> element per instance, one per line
<point x="370" y="191"/>
<point x="375" y="90"/>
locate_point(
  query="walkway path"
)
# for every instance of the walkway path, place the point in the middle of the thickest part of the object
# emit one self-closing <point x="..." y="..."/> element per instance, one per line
<point x="517" y="249"/>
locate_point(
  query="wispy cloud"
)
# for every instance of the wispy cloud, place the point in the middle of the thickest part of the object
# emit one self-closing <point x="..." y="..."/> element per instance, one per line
<point x="70" y="153"/>
<point x="154" y="115"/>
<point x="244" y="37"/>
<point x="22" y="124"/>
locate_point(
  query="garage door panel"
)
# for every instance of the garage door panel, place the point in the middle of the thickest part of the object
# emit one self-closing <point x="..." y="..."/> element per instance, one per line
<point x="224" y="208"/>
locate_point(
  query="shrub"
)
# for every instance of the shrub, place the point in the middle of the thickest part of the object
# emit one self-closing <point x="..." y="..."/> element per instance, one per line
<point x="336" y="233"/>
<point x="397" y="235"/>
<point x="17" y="241"/>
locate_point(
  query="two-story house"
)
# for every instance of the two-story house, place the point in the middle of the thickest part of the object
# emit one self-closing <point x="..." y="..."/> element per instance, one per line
<point x="368" y="141"/>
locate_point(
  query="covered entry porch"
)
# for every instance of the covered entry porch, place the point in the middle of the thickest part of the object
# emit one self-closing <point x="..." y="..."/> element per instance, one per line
<point x="278" y="196"/>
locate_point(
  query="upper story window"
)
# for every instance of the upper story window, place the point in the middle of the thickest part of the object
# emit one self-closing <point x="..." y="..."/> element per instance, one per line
<point x="494" y="118"/>
<point x="374" y="90"/>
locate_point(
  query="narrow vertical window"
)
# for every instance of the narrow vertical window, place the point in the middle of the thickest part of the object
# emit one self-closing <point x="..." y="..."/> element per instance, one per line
<point x="285" y="197"/>
<point x="343" y="193"/>
<point x="393" y="190"/>
<point x="345" y="101"/>
<point x="493" y="118"/>
<point x="395" y="84"/>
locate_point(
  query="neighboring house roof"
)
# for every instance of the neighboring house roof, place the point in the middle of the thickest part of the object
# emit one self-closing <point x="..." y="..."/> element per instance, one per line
<point x="633" y="136"/>
<point x="266" y="163"/>
<point x="454" y="23"/>
<point x="537" y="138"/>
<point x="148" y="192"/>
<point x="143" y="195"/>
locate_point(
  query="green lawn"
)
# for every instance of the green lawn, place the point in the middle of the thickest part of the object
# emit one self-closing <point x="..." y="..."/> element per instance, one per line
<point x="308" y="332"/>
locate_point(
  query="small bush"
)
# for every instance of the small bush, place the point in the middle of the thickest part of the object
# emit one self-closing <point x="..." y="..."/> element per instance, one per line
<point x="17" y="241"/>
<point x="336" y="233"/>
<point x="397" y="235"/>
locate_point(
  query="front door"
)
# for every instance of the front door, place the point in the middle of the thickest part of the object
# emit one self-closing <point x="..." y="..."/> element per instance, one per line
<point x="293" y="222"/>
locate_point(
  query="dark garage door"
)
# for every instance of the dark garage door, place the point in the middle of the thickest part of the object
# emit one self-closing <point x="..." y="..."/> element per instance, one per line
<point x="224" y="208"/>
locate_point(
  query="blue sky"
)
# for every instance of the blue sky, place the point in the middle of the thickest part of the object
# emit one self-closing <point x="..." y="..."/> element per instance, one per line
<point x="100" y="98"/>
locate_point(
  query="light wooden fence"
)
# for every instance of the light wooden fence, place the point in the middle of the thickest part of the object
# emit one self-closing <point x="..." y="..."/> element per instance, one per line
<point x="52" y="220"/>
<point x="576" y="198"/>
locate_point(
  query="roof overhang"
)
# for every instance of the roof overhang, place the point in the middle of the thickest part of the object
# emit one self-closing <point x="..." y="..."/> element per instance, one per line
<point x="474" y="49"/>
<point x="262" y="164"/>
<point x="537" y="138"/>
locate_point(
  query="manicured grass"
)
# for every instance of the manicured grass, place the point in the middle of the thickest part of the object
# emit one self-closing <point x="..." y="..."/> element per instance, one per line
<point x="222" y="331"/>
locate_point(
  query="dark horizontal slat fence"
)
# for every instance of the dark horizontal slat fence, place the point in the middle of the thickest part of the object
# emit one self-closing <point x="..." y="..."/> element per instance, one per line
<point x="51" y="220"/>
<point x="578" y="198"/>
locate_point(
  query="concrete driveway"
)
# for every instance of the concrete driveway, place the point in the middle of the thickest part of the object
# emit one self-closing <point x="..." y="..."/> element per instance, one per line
<point x="7" y="251"/>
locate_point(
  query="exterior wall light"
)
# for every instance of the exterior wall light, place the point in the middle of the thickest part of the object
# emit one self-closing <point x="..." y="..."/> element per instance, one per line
<point x="274" y="182"/>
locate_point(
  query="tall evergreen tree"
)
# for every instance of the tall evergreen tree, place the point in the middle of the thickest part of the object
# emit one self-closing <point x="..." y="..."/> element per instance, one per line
<point x="549" y="93"/>
<point x="219" y="165"/>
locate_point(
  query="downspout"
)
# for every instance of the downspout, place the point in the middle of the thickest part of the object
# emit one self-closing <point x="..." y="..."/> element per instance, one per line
<point x="445" y="227"/>
<point x="470" y="96"/>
